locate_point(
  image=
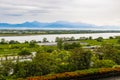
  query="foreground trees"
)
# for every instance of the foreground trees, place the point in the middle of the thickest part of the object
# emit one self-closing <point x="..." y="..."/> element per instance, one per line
<point x="56" y="61"/>
<point x="67" y="57"/>
<point x="44" y="63"/>
<point x="59" y="43"/>
<point x="6" y="69"/>
<point x="24" y="69"/>
<point x="109" y="52"/>
<point x="81" y="59"/>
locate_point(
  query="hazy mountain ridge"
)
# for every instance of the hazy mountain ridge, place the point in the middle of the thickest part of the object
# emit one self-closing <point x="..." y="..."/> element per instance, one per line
<point x="57" y="24"/>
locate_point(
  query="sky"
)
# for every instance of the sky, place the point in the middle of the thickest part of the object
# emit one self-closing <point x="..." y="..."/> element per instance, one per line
<point x="98" y="12"/>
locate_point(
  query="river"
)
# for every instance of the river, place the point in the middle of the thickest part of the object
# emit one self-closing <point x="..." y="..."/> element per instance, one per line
<point x="52" y="37"/>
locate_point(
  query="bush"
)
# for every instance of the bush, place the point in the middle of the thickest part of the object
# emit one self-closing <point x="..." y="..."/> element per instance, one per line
<point x="13" y="42"/>
<point x="99" y="39"/>
<point x="24" y="52"/>
<point x="24" y="69"/>
<point x="73" y="45"/>
<point x="89" y="74"/>
<point x="103" y="63"/>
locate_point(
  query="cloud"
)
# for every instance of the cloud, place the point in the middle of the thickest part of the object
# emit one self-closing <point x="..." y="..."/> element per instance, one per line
<point x="39" y="11"/>
<point x="16" y="15"/>
<point x="100" y="12"/>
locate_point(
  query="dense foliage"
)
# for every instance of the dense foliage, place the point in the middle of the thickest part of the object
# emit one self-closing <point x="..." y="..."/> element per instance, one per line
<point x="89" y="74"/>
<point x="64" y="57"/>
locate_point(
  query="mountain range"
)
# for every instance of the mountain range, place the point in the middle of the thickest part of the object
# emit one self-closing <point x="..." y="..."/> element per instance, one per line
<point x="53" y="25"/>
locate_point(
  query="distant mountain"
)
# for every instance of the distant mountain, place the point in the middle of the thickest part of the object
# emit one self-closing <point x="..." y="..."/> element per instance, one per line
<point x="57" y="24"/>
<point x="54" y="25"/>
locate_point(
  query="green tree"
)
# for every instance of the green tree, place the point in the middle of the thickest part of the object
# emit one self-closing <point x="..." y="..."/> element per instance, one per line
<point x="117" y="37"/>
<point x="116" y="57"/>
<point x="80" y="59"/>
<point x="111" y="37"/>
<point x="44" y="63"/>
<point x="72" y="38"/>
<point x="32" y="43"/>
<point x="99" y="39"/>
<point x="57" y="38"/>
<point x="6" y="69"/>
<point x="110" y="52"/>
<point x="3" y="41"/>
<point x="73" y="45"/>
<point x="118" y="41"/>
<point x="90" y="38"/>
<point x="26" y="42"/>
<point x="45" y="40"/>
<point x="107" y="50"/>
<point x="24" y="69"/>
<point x="60" y="43"/>
<point x="13" y="42"/>
<point x="62" y="59"/>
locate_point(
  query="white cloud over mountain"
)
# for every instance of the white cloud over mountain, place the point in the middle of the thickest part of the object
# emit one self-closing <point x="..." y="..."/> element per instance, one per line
<point x="99" y="12"/>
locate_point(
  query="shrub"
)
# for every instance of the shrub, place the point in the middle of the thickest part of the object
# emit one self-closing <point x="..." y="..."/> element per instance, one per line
<point x="24" y="52"/>
<point x="103" y="63"/>
<point x="99" y="39"/>
<point x="88" y="74"/>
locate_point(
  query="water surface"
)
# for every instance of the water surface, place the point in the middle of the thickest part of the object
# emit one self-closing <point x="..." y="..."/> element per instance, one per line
<point x="52" y="37"/>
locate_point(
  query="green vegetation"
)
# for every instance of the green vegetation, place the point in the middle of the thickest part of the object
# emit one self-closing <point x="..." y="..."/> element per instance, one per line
<point x="14" y="49"/>
<point x="93" y="73"/>
<point x="24" y="52"/>
<point x="15" y="32"/>
<point x="67" y="56"/>
<point x="104" y="41"/>
<point x="103" y="63"/>
<point x="88" y="74"/>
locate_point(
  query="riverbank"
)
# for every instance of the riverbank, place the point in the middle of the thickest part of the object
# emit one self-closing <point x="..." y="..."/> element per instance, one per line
<point x="52" y="37"/>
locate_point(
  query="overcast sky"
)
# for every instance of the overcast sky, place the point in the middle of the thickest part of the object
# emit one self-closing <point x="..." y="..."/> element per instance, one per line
<point x="99" y="12"/>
